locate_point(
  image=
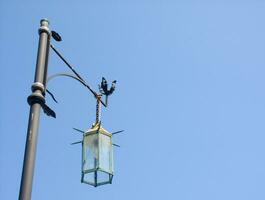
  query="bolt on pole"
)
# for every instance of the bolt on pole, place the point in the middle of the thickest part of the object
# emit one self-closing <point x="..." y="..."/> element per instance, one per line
<point x="36" y="100"/>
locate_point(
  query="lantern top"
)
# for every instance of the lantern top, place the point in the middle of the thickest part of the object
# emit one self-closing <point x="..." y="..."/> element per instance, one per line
<point x="97" y="128"/>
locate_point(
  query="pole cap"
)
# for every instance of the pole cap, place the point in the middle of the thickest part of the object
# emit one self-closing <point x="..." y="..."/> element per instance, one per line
<point x="44" y="22"/>
<point x="44" y="26"/>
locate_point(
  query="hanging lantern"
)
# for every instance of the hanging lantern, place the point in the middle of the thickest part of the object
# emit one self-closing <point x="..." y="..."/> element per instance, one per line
<point x="97" y="156"/>
<point x="97" y="152"/>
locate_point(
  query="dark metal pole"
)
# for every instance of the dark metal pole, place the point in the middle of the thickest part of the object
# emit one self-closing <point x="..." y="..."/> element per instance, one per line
<point x="35" y="100"/>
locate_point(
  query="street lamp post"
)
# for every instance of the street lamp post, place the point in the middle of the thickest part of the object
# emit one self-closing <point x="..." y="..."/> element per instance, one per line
<point x="103" y="161"/>
<point x="36" y="100"/>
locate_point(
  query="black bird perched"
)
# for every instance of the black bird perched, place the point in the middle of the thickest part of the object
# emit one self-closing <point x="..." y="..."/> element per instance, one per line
<point x="56" y="36"/>
<point x="113" y="85"/>
<point x="104" y="87"/>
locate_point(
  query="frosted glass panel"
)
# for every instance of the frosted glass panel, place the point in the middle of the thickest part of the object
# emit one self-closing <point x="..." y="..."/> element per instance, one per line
<point x="89" y="178"/>
<point x="102" y="177"/>
<point x="90" y="159"/>
<point x="105" y="153"/>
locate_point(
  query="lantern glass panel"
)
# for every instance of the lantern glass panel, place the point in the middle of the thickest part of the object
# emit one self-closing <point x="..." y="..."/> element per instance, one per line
<point x="91" y="153"/>
<point x="105" y="153"/>
<point x="89" y="178"/>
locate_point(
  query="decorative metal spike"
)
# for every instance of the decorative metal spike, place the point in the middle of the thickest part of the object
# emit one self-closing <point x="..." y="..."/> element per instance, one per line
<point x="76" y="142"/>
<point x="76" y="129"/>
<point x="116" y="145"/>
<point x="117" y="132"/>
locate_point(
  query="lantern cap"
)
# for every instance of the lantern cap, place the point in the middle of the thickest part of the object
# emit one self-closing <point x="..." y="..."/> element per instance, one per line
<point x="97" y="128"/>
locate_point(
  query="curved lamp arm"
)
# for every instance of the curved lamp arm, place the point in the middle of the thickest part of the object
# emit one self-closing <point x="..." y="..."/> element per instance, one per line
<point x="79" y="80"/>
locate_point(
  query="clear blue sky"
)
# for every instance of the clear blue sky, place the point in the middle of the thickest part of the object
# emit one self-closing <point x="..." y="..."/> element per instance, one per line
<point x="190" y="95"/>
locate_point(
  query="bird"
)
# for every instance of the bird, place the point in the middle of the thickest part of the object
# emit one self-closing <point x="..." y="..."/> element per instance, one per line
<point x="104" y="87"/>
<point x="112" y="87"/>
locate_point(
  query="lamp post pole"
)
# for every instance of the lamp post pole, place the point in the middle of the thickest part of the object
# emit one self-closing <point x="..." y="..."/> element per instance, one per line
<point x="36" y="100"/>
